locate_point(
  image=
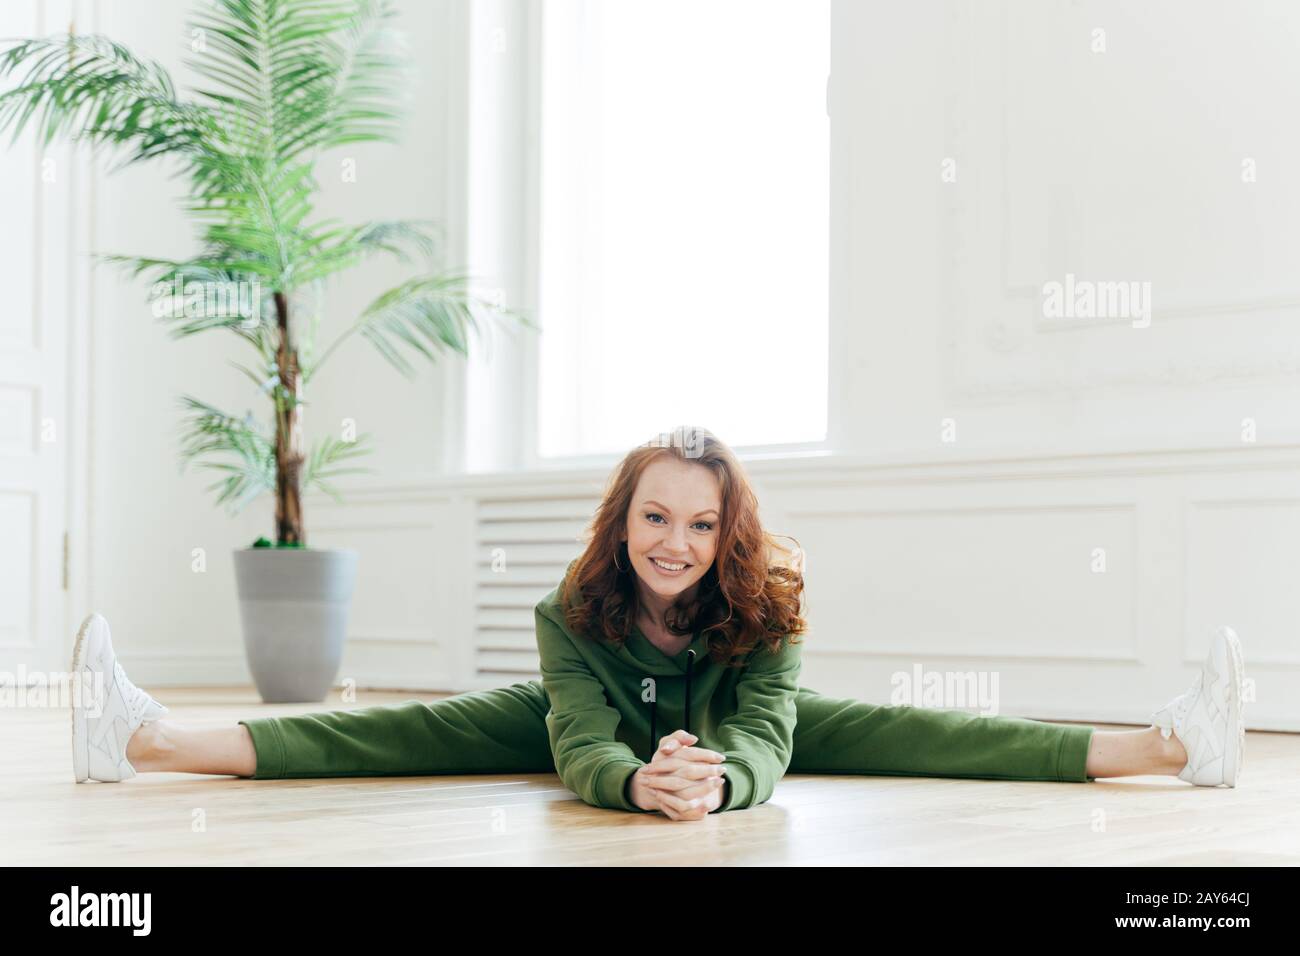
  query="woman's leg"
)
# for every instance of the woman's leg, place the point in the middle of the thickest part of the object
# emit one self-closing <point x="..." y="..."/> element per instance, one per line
<point x="834" y="735"/>
<point x="491" y="731"/>
<point x="1127" y="753"/>
<point x="162" y="746"/>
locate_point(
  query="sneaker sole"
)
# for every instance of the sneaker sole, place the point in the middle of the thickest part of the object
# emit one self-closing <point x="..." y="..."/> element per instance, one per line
<point x="80" y="744"/>
<point x="1235" y="744"/>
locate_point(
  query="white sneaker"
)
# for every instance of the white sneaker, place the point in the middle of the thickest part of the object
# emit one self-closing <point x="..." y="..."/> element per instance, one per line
<point x="106" y="707"/>
<point x="1208" y="717"/>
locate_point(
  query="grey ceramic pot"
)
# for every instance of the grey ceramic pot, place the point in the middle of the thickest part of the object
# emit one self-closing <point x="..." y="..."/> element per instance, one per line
<point x="294" y="604"/>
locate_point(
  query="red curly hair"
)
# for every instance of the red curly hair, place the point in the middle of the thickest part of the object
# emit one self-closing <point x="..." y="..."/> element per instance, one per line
<point x="751" y="594"/>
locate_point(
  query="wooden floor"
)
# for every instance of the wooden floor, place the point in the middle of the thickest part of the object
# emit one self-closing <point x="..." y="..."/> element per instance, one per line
<point x="191" y="819"/>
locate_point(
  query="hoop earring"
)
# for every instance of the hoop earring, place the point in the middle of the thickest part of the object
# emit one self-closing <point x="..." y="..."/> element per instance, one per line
<point x="617" y="565"/>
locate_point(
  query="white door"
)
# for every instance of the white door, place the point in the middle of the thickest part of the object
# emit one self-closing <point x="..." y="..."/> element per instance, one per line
<point x="38" y="274"/>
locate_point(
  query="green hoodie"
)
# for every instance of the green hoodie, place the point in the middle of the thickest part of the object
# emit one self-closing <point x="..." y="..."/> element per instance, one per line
<point x="603" y="700"/>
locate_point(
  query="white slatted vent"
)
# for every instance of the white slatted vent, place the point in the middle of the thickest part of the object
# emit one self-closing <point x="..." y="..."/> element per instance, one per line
<point x="537" y="538"/>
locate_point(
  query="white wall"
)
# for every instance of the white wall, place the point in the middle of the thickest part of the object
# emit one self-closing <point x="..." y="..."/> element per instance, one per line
<point x="1122" y="165"/>
<point x="1125" y="164"/>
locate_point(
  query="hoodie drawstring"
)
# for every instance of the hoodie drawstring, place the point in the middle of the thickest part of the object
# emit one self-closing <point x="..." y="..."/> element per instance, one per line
<point x="690" y="666"/>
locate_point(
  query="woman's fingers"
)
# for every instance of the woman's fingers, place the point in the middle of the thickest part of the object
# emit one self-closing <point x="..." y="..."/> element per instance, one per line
<point x="697" y="791"/>
<point x="669" y="812"/>
<point x="679" y="741"/>
<point x="701" y="754"/>
<point x="692" y="791"/>
<point x="678" y="738"/>
<point x="694" y="803"/>
<point x="685" y="769"/>
<point x="684" y="778"/>
<point x="688" y="809"/>
<point x="685" y="789"/>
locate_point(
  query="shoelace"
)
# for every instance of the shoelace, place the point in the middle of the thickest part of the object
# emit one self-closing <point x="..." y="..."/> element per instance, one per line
<point x="136" y="699"/>
<point x="1180" y="706"/>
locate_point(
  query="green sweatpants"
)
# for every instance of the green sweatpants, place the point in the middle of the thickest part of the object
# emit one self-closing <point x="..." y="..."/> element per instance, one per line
<point x="504" y="731"/>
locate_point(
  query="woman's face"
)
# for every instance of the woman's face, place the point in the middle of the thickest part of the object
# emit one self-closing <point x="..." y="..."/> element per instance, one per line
<point x="673" y="520"/>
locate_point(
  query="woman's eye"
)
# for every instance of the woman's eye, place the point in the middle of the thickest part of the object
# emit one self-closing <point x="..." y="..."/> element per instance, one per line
<point x="708" y="526"/>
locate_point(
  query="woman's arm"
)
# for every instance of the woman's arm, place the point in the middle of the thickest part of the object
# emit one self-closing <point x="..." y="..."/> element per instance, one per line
<point x="759" y="737"/>
<point x="581" y="724"/>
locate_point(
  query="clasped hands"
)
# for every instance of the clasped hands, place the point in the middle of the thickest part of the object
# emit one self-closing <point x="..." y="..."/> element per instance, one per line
<point x="683" y="781"/>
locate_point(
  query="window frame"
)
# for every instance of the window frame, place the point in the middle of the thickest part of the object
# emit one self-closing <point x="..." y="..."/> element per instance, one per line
<point x="529" y="404"/>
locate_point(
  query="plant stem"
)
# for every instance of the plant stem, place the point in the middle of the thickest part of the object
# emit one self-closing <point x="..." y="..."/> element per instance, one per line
<point x="288" y="435"/>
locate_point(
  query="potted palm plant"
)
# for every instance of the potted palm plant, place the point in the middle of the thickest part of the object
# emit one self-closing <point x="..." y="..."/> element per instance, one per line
<point x="281" y="81"/>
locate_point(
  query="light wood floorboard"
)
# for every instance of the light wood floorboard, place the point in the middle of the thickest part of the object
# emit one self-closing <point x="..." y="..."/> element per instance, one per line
<point x="531" y="819"/>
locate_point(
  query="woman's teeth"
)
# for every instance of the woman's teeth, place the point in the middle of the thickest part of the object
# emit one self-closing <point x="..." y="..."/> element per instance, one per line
<point x="669" y="567"/>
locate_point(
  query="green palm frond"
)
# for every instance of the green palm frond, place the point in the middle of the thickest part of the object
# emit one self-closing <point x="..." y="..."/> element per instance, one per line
<point x="297" y="76"/>
<point x="90" y="88"/>
<point x="323" y="464"/>
<point x="240" y="447"/>
<point x="337" y="249"/>
<point x="213" y="294"/>
<point x="427" y="315"/>
<point x="259" y="220"/>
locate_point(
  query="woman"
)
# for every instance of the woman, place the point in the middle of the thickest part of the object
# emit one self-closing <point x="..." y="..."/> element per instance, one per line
<point x="682" y="613"/>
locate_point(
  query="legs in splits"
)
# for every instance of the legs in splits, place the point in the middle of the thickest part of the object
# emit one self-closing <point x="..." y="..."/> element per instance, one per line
<point x="502" y="730"/>
<point x="1199" y="736"/>
<point x="834" y="735"/>
<point x="119" y="730"/>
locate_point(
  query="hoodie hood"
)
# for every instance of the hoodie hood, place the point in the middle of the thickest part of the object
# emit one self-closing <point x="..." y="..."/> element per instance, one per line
<point x="640" y="653"/>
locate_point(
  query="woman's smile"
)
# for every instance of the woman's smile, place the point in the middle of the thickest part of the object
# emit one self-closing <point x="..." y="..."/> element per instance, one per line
<point x="670" y="569"/>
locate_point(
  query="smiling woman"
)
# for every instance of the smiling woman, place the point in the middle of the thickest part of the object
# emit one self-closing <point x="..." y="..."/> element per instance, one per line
<point x="677" y="548"/>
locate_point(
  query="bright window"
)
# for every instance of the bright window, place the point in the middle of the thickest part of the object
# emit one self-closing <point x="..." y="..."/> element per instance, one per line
<point x="684" y="204"/>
